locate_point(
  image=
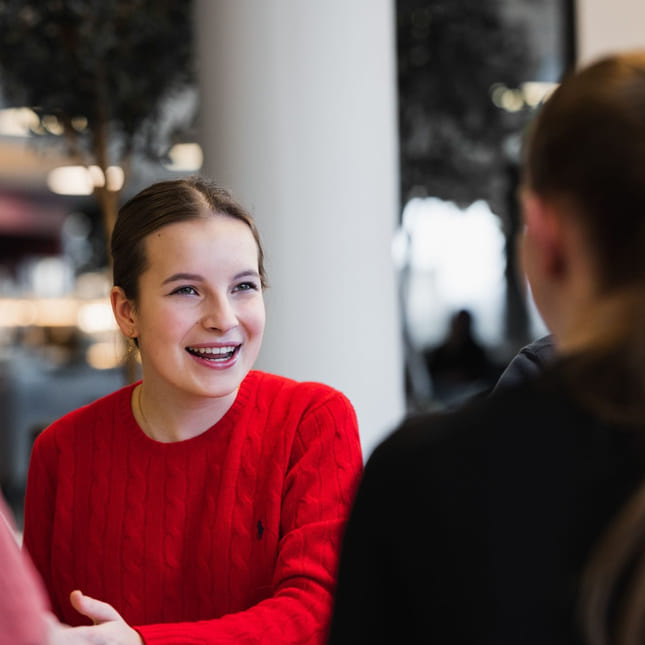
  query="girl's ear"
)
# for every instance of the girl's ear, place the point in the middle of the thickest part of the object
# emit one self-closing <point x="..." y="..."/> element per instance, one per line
<point x="544" y="230"/>
<point x="124" y="312"/>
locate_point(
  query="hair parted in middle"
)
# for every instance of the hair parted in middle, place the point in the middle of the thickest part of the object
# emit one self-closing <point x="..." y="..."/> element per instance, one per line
<point x="161" y="204"/>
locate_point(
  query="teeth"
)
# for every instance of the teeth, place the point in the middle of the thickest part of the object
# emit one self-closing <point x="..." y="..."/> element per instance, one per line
<point x="213" y="350"/>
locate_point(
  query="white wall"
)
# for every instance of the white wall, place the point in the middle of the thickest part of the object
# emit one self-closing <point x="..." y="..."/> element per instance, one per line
<point x="606" y="26"/>
<point x="298" y="117"/>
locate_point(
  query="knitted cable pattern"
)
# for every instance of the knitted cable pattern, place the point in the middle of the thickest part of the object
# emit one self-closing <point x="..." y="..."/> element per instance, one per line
<point x="231" y="536"/>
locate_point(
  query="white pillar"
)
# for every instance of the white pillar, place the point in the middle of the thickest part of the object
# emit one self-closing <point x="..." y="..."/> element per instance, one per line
<point x="298" y="118"/>
<point x="605" y="27"/>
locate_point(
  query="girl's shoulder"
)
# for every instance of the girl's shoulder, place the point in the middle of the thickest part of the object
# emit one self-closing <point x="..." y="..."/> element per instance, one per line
<point x="270" y="388"/>
<point x="95" y="414"/>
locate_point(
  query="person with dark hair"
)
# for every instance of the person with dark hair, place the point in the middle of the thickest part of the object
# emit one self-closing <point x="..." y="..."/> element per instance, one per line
<point x="520" y="518"/>
<point x="204" y="503"/>
<point x="459" y="366"/>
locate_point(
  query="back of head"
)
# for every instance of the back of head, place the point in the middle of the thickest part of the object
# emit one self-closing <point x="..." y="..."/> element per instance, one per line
<point x="586" y="149"/>
<point x="587" y="146"/>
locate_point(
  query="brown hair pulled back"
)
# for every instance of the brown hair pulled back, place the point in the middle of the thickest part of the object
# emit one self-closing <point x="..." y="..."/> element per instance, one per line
<point x="163" y="203"/>
<point x="587" y="146"/>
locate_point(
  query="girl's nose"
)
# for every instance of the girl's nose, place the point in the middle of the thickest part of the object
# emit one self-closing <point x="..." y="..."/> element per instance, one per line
<point x="219" y="315"/>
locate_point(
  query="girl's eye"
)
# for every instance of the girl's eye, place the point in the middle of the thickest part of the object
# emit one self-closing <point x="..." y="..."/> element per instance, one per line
<point x="189" y="291"/>
<point x="246" y="286"/>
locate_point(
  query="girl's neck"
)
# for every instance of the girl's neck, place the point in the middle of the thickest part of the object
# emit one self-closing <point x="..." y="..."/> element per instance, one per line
<point x="605" y="322"/>
<point x="169" y="420"/>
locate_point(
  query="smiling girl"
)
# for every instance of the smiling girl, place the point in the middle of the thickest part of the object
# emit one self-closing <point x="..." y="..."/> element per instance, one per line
<point x="205" y="503"/>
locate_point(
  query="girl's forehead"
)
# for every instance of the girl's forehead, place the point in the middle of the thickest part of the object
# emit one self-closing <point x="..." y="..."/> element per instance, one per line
<point x="201" y="231"/>
<point x="212" y="241"/>
<point x="211" y="223"/>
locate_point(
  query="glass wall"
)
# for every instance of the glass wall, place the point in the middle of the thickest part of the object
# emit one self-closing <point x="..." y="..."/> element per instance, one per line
<point x="471" y="75"/>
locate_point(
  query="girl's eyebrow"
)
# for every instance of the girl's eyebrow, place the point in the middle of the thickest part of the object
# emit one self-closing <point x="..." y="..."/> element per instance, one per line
<point x="246" y="274"/>
<point x="195" y="277"/>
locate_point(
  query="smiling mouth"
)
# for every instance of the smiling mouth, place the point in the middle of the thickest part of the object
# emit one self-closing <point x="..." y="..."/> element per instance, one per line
<point x="214" y="354"/>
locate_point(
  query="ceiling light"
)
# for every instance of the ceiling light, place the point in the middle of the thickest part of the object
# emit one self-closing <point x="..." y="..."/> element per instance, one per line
<point x="70" y="180"/>
<point x="185" y="157"/>
<point x="18" y="122"/>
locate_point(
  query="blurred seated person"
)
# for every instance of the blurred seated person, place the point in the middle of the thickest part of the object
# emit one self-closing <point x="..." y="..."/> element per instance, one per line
<point x="459" y="366"/>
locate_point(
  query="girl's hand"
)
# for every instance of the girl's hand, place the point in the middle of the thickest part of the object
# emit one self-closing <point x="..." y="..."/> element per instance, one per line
<point x="60" y="634"/>
<point x="108" y="629"/>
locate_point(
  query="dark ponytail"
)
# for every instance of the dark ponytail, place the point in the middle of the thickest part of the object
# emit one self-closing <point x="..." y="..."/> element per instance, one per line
<point x="612" y="602"/>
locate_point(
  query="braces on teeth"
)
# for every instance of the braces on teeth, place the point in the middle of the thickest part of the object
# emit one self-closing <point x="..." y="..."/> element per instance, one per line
<point x="213" y="350"/>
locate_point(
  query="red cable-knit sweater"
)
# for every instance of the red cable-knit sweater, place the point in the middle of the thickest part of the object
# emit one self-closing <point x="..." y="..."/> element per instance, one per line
<point x="229" y="537"/>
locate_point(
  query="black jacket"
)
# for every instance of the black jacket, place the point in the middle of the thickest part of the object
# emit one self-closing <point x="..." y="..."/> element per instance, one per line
<point x="474" y="526"/>
<point x="528" y="362"/>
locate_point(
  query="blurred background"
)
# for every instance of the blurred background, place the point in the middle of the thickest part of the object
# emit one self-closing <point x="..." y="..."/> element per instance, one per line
<point x="375" y="141"/>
